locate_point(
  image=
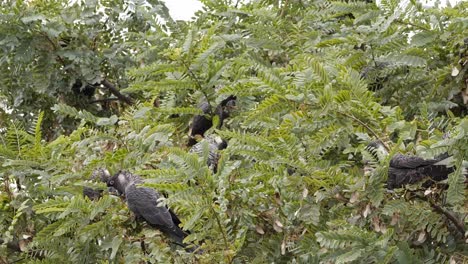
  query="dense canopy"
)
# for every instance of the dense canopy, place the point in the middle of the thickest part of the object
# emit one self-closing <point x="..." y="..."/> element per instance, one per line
<point x="93" y="85"/>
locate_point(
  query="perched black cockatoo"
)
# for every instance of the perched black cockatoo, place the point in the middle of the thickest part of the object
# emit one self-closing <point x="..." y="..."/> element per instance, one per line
<point x="404" y="169"/>
<point x="224" y="109"/>
<point x="144" y="203"/>
<point x="215" y="144"/>
<point x="201" y="123"/>
<point x="407" y="169"/>
<point x="92" y="194"/>
<point x="86" y="90"/>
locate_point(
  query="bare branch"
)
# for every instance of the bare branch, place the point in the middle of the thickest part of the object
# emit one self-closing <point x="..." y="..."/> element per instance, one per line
<point x="104" y="100"/>
<point x="458" y="224"/>
<point x="438" y="209"/>
<point x="116" y="92"/>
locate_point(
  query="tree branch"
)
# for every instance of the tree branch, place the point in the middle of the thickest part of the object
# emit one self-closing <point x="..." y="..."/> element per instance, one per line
<point x="62" y="61"/>
<point x="104" y="100"/>
<point x="458" y="224"/>
<point x="105" y="82"/>
<point x="116" y="92"/>
<point x="410" y="24"/>
<point x="438" y="209"/>
<point x="218" y="221"/>
<point x="283" y="9"/>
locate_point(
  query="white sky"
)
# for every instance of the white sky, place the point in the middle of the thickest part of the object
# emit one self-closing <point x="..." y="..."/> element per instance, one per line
<point x="182" y="9"/>
<point x="442" y="2"/>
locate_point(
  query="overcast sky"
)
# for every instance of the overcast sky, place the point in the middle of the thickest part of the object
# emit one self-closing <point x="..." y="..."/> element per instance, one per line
<point x="183" y="9"/>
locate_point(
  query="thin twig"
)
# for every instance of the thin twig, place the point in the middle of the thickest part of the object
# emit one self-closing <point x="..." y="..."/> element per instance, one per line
<point x="410" y="24"/>
<point x="197" y="82"/>
<point x="104" y="100"/>
<point x="62" y="61"/>
<point x="218" y="221"/>
<point x="366" y="127"/>
<point x="284" y="8"/>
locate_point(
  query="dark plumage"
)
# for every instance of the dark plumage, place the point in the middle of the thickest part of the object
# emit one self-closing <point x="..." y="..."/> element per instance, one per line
<point x="215" y="144"/>
<point x="95" y="194"/>
<point x="144" y="203"/>
<point x="406" y="169"/>
<point x="92" y="194"/>
<point x="201" y="123"/>
<point x="224" y="109"/>
<point x="87" y="90"/>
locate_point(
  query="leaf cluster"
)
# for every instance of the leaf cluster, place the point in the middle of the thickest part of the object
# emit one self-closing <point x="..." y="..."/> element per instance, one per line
<point x="316" y="82"/>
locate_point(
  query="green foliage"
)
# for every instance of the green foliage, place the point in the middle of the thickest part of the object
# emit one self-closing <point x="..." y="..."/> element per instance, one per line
<point x="47" y="47"/>
<point x="316" y="82"/>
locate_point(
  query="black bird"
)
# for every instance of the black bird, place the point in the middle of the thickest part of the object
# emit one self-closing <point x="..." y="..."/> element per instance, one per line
<point x="92" y="194"/>
<point x="201" y="123"/>
<point x="406" y="169"/>
<point x="86" y="90"/>
<point x="103" y="175"/>
<point x="215" y="144"/>
<point x="144" y="203"/>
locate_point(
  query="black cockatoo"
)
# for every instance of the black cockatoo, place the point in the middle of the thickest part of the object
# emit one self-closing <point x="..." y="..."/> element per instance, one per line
<point x="201" y="123"/>
<point x="144" y="203"/>
<point x="408" y="169"/>
<point x="405" y="169"/>
<point x="92" y="194"/>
